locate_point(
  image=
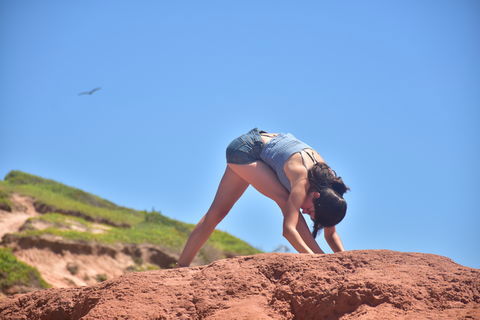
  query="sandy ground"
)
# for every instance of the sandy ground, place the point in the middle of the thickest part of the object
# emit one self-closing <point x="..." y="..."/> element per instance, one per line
<point x="70" y="270"/>
<point x="366" y="285"/>
<point x="12" y="221"/>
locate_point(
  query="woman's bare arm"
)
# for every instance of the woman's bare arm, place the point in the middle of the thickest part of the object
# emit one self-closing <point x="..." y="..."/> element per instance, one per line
<point x="306" y="235"/>
<point x="297" y="175"/>
<point x="290" y="220"/>
<point x="333" y="239"/>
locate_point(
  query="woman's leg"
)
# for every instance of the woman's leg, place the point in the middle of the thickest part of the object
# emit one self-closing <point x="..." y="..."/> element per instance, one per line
<point x="264" y="179"/>
<point x="229" y="191"/>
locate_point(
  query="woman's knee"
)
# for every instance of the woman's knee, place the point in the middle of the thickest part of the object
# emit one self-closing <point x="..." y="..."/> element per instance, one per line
<point x="215" y="215"/>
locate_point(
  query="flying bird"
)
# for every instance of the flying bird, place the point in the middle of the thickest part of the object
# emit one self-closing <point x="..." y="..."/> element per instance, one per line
<point x="89" y="92"/>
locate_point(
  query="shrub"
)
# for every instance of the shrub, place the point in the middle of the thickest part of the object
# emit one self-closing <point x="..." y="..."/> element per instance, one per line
<point x="17" y="273"/>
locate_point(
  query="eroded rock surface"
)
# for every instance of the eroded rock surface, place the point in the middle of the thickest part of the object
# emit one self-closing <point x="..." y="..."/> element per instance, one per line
<point x="371" y="284"/>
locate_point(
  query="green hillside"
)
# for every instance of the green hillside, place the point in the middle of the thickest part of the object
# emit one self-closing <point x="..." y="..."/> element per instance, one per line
<point x="14" y="273"/>
<point x="72" y="213"/>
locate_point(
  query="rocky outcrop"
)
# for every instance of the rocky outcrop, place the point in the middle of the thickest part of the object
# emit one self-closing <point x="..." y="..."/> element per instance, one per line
<point x="375" y="284"/>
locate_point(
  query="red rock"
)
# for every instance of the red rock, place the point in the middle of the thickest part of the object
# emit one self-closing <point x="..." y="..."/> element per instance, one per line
<point x="369" y="284"/>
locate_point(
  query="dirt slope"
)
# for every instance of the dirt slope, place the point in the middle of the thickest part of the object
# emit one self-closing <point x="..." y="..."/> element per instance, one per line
<point x="22" y="210"/>
<point x="64" y="263"/>
<point x="373" y="284"/>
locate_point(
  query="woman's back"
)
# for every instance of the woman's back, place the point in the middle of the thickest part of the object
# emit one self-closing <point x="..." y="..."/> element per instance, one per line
<point x="278" y="151"/>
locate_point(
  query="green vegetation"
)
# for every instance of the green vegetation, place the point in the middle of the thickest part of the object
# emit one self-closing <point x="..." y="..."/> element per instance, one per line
<point x="66" y="198"/>
<point x="17" y="273"/>
<point x="164" y="232"/>
<point x="143" y="267"/>
<point x="101" y="277"/>
<point x="5" y="203"/>
<point x="64" y="226"/>
<point x="21" y="178"/>
<point x="145" y="227"/>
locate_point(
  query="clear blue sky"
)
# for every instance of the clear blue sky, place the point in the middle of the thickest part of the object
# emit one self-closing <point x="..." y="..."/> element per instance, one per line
<point x="386" y="91"/>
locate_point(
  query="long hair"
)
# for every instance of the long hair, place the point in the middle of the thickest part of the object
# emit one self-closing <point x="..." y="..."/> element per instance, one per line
<point x="330" y="207"/>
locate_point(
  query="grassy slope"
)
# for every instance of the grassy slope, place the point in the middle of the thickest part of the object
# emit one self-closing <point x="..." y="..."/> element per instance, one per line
<point x="5" y="203"/>
<point x="16" y="273"/>
<point x="146" y="227"/>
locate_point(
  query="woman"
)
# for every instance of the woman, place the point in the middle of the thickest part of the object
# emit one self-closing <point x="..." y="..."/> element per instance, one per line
<point x="289" y="172"/>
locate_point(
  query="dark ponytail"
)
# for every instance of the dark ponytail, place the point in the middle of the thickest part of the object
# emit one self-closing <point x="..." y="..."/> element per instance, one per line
<point x="330" y="207"/>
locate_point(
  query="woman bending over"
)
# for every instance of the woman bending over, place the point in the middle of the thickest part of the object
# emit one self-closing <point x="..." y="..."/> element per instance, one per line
<point x="289" y="172"/>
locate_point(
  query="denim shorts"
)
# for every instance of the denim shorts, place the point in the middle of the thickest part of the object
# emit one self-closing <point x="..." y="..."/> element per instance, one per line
<point x="246" y="148"/>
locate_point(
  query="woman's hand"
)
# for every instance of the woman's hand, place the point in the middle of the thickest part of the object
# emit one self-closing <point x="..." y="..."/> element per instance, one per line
<point x="292" y="235"/>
